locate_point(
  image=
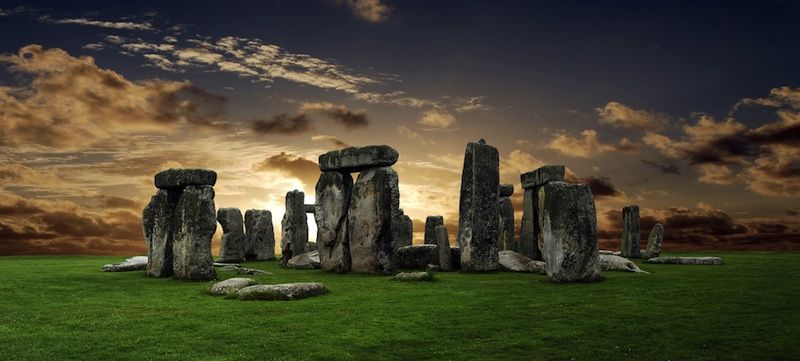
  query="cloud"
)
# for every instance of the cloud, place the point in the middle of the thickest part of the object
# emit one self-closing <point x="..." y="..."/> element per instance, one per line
<point x="620" y="115"/>
<point x="338" y="113"/>
<point x="298" y="167"/>
<point x="282" y="123"/>
<point x="601" y="187"/>
<point x="663" y="166"/>
<point x="471" y="104"/>
<point x="333" y="140"/>
<point x="373" y="11"/>
<point x="715" y="174"/>
<point x="518" y="162"/>
<point x="410" y="134"/>
<point x="437" y="119"/>
<point x="587" y="145"/>
<point x="127" y="25"/>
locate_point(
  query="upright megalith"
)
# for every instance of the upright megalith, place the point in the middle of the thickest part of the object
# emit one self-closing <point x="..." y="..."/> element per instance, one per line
<point x="530" y="242"/>
<point x="260" y="244"/>
<point x="630" y="232"/>
<point x="654" y="241"/>
<point x="294" y="226"/>
<point x="443" y="247"/>
<point x="505" y="221"/>
<point x="568" y="224"/>
<point x="195" y="222"/>
<point x="357" y="159"/>
<point x="233" y="244"/>
<point x="374" y="205"/>
<point x="333" y="191"/>
<point x="157" y="222"/>
<point x="431" y="222"/>
<point x="403" y="230"/>
<point x="478" y="211"/>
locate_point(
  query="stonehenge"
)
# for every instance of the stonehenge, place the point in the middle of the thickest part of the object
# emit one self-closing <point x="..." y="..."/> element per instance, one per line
<point x="374" y="205"/>
<point x="478" y="213"/>
<point x="403" y="230"/>
<point x="294" y="225"/>
<point x="530" y="242"/>
<point x="505" y="239"/>
<point x="443" y="248"/>
<point x="631" y="237"/>
<point x="654" y="240"/>
<point x="260" y="235"/>
<point x="233" y="242"/>
<point x="333" y="191"/>
<point x="431" y="222"/>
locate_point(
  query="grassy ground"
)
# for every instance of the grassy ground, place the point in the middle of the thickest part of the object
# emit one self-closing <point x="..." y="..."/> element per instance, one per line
<point x="63" y="308"/>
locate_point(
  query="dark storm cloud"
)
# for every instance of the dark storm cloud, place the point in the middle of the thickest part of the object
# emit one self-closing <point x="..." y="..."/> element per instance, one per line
<point x="601" y="187"/>
<point x="282" y="123"/>
<point x="663" y="166"/>
<point x="298" y="167"/>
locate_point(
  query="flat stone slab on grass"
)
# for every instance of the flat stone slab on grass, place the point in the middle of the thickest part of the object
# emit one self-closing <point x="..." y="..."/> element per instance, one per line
<point x="308" y="260"/>
<point x="178" y="178"/>
<point x="609" y="262"/>
<point x="243" y="270"/>
<point x="136" y="263"/>
<point x="282" y="291"/>
<point x="413" y="276"/>
<point x="230" y="286"/>
<point x="356" y="159"/>
<point x="709" y="261"/>
<point x="511" y="261"/>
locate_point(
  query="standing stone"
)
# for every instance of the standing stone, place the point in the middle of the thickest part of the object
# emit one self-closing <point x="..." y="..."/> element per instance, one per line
<point x="374" y="205"/>
<point x="478" y="213"/>
<point x="357" y="159"/>
<point x="233" y="243"/>
<point x="195" y="223"/>
<point x="431" y="222"/>
<point x="260" y="235"/>
<point x="569" y="229"/>
<point x="404" y="230"/>
<point x="157" y="223"/>
<point x="294" y="226"/>
<point x="630" y="232"/>
<point x="505" y="239"/>
<point x="530" y="242"/>
<point x="443" y="246"/>
<point x="654" y="241"/>
<point x="333" y="191"/>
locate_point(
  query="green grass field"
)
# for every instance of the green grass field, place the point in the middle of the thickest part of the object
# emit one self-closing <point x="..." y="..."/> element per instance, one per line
<point x="64" y="308"/>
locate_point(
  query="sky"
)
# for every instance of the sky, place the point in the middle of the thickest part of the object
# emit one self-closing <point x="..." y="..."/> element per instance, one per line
<point x="690" y="110"/>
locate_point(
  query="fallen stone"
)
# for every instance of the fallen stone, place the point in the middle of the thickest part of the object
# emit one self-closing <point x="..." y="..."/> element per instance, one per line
<point x="233" y="243"/>
<point x="654" y="241"/>
<point x="505" y="190"/>
<point x="542" y="176"/>
<point x="282" y="291"/>
<point x="294" y="226"/>
<point x="630" y="232"/>
<point x="375" y="203"/>
<point x="230" y="268"/>
<point x="710" y="261"/>
<point x="443" y="249"/>
<point x="478" y="213"/>
<point x="357" y="159"/>
<point x="333" y="192"/>
<point x="196" y="221"/>
<point x="260" y="235"/>
<point x="513" y="261"/>
<point x="413" y="276"/>
<point x="505" y="224"/>
<point x="610" y="262"/>
<point x="536" y="267"/>
<point x="179" y="178"/>
<point x="308" y="260"/>
<point x="157" y="224"/>
<point x="136" y="263"/>
<point x="431" y="222"/>
<point x="243" y="270"/>
<point x="229" y="286"/>
<point x="569" y="230"/>
<point x="221" y="264"/>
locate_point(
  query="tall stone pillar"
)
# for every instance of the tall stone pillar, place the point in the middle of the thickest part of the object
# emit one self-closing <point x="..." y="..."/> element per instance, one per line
<point x="505" y="239"/>
<point x="530" y="243"/>
<point x="333" y="192"/>
<point x="373" y="207"/>
<point x="233" y="244"/>
<point x="478" y="211"/>
<point x="294" y="226"/>
<point x="431" y="222"/>
<point x="260" y="235"/>
<point x="631" y="237"/>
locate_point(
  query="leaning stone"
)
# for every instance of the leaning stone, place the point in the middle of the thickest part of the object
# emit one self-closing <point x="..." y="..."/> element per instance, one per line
<point x="569" y="230"/>
<point x="478" y="213"/>
<point x="616" y="263"/>
<point x="260" y="235"/>
<point x="333" y="191"/>
<point x="309" y="208"/>
<point x="654" y="241"/>
<point x="357" y="159"/>
<point x="630" y="232"/>
<point x="229" y="286"/>
<point x="431" y="222"/>
<point x="136" y="263"/>
<point x="180" y="178"/>
<point x="542" y="176"/>
<point x="505" y="224"/>
<point x="294" y="226"/>
<point x="413" y="276"/>
<point x="196" y="221"/>
<point x="529" y="233"/>
<point x="308" y="260"/>
<point x="157" y="224"/>
<point x="443" y="249"/>
<point x="233" y="242"/>
<point x="282" y="291"/>
<point x="512" y="261"/>
<point x="505" y="190"/>
<point x="710" y="261"/>
<point x="375" y="203"/>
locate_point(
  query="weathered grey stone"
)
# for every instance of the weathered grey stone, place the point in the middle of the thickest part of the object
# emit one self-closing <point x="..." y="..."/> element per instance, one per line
<point x="233" y="243"/>
<point x="157" y="223"/>
<point x="513" y="261"/>
<point x="654" y="241"/>
<point x="243" y="270"/>
<point x="478" y="213"/>
<point x="443" y="249"/>
<point x="616" y="263"/>
<point x="308" y="260"/>
<point x="403" y="230"/>
<point x="630" y="232"/>
<point x="260" y="235"/>
<point x="310" y="208"/>
<point x="375" y="203"/>
<point x="294" y="226"/>
<point x="529" y="240"/>
<point x="536" y="267"/>
<point x="419" y="256"/>
<point x="281" y="291"/>
<point x="505" y="190"/>
<point x="195" y="223"/>
<point x="229" y="286"/>
<point x="431" y="222"/>
<point x="542" y="176"/>
<point x="413" y="276"/>
<point x="310" y="246"/>
<point x="568" y="226"/>
<point x="333" y="192"/>
<point x="136" y="263"/>
<point x="357" y="159"/>
<point x="710" y="261"/>
<point x="179" y="178"/>
<point x="505" y="225"/>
